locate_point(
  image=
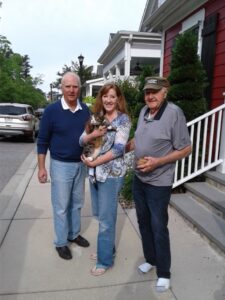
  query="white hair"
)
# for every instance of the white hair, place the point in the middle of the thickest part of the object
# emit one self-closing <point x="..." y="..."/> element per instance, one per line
<point x="72" y="74"/>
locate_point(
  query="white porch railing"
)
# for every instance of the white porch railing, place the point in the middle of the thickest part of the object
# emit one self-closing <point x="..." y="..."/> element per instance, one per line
<point x="207" y="134"/>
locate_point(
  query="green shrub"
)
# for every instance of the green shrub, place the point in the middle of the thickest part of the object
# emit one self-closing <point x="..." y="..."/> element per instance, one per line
<point x="126" y="191"/>
<point x="90" y="101"/>
<point x="187" y="77"/>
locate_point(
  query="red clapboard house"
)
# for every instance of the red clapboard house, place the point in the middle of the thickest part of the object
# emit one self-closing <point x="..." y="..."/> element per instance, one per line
<point x="204" y="203"/>
<point x="207" y="19"/>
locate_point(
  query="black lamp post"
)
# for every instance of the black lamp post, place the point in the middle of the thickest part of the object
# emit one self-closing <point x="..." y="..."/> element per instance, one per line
<point x="137" y="69"/>
<point x="51" y="86"/>
<point x="81" y="59"/>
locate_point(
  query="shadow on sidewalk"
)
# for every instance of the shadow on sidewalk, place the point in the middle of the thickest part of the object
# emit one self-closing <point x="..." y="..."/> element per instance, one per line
<point x="15" y="254"/>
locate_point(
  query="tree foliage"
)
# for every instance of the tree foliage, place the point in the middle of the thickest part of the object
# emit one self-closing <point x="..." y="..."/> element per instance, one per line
<point x="17" y="85"/>
<point x="134" y="94"/>
<point x="85" y="73"/>
<point x="25" y="67"/>
<point x="90" y="101"/>
<point x="187" y="77"/>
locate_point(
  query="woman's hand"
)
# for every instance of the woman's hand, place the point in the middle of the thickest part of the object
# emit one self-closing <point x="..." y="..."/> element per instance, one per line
<point x="87" y="161"/>
<point x="99" y="131"/>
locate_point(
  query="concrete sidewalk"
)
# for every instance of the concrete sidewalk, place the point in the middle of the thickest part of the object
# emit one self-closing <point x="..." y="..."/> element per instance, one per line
<point x="30" y="268"/>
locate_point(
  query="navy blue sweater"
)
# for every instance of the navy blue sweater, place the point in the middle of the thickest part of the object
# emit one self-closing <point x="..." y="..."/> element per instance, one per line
<point x="60" y="131"/>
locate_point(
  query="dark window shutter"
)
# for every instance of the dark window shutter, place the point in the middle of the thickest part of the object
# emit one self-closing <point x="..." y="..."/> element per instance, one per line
<point x="208" y="51"/>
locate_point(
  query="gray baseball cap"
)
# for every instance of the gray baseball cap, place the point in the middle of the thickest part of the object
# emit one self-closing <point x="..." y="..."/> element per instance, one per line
<point x="156" y="83"/>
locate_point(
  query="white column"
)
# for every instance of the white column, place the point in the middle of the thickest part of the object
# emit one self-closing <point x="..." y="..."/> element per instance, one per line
<point x="110" y="75"/>
<point x="117" y="71"/>
<point x="127" y="59"/>
<point x="91" y="89"/>
<point x="162" y="54"/>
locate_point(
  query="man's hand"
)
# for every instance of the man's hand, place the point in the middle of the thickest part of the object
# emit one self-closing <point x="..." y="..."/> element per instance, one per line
<point x="147" y="164"/>
<point x="129" y="146"/>
<point x="42" y="176"/>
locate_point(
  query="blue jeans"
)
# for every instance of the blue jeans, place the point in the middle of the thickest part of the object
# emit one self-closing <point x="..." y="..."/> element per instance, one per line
<point x="104" y="196"/>
<point x="67" y="195"/>
<point x="151" y="204"/>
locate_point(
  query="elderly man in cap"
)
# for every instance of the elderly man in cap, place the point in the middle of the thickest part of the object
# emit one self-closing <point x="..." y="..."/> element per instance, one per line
<point x="161" y="138"/>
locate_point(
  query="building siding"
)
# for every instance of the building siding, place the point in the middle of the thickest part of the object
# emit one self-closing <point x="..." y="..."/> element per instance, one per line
<point x="218" y="85"/>
<point x="170" y="36"/>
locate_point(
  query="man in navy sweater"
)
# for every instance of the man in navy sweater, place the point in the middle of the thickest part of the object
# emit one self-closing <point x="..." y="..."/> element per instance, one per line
<point x="61" y="126"/>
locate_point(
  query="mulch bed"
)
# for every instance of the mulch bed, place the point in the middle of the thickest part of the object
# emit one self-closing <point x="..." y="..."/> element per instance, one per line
<point x="126" y="204"/>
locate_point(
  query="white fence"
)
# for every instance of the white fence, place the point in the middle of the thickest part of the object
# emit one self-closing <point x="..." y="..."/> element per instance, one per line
<point x="207" y="134"/>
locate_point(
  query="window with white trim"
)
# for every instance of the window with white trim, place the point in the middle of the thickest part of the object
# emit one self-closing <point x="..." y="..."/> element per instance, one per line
<point x="195" y="23"/>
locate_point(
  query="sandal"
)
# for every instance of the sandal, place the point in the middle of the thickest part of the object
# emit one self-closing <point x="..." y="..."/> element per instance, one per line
<point x="95" y="271"/>
<point x="93" y="256"/>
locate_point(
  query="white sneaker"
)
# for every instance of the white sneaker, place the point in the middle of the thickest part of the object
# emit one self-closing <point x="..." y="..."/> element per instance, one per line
<point x="163" y="284"/>
<point x="145" y="268"/>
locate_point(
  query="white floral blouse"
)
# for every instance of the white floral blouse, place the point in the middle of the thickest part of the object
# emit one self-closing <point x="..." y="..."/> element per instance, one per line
<point x="116" y="142"/>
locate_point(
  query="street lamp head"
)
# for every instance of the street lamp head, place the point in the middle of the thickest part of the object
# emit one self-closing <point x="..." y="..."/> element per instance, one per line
<point x="81" y="59"/>
<point x="51" y="95"/>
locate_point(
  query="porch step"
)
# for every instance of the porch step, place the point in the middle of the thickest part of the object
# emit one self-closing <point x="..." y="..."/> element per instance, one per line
<point x="216" y="176"/>
<point x="207" y="222"/>
<point x="216" y="179"/>
<point x="208" y="193"/>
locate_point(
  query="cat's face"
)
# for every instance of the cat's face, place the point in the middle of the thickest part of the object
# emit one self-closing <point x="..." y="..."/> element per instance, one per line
<point x="97" y="119"/>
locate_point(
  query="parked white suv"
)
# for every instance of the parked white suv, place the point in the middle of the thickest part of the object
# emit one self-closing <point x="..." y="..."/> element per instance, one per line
<point x="18" y="119"/>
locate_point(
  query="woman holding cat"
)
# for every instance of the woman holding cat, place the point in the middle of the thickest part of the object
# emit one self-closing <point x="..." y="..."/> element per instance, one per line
<point x="110" y="170"/>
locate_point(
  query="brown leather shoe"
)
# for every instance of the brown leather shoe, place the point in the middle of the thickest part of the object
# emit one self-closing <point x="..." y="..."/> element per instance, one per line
<point x="80" y="241"/>
<point x="64" y="252"/>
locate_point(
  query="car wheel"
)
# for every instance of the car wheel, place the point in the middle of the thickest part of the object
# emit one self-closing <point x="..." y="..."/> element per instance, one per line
<point x="32" y="136"/>
<point x="36" y="133"/>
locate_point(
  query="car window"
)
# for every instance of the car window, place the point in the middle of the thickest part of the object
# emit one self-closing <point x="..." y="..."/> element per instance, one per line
<point x="30" y="110"/>
<point x="12" y="110"/>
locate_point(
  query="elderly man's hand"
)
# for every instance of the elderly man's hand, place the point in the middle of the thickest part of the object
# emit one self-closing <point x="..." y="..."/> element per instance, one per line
<point x="147" y="164"/>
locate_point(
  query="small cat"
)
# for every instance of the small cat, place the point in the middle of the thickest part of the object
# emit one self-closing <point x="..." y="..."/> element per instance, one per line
<point x="97" y="121"/>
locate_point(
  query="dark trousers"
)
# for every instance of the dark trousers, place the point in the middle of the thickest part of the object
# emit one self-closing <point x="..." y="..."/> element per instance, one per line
<point x="152" y="214"/>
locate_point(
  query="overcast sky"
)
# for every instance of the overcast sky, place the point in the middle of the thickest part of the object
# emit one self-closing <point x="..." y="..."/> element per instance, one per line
<point x="55" y="32"/>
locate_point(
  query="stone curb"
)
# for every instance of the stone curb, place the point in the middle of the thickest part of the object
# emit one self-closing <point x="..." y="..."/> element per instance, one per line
<point x="12" y="194"/>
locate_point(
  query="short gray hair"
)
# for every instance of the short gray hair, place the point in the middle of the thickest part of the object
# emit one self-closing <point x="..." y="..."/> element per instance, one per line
<point x="73" y="74"/>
